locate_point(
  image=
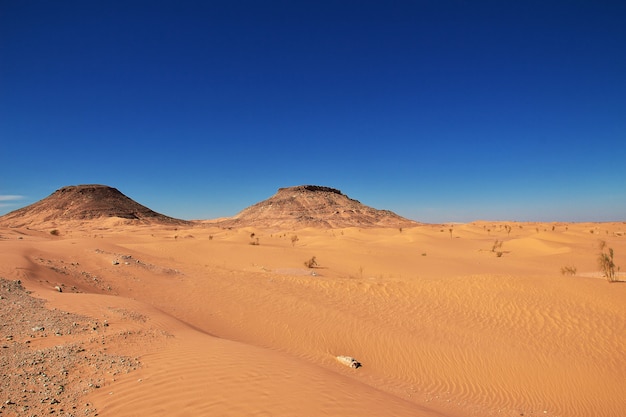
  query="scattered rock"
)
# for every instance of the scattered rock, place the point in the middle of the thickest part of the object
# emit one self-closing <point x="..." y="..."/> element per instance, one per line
<point x="349" y="361"/>
<point x="41" y="379"/>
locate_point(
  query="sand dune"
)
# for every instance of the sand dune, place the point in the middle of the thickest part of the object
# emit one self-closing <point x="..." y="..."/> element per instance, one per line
<point x="441" y="323"/>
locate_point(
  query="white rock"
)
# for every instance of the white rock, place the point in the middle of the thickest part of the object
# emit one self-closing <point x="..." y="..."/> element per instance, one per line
<point x="349" y="361"/>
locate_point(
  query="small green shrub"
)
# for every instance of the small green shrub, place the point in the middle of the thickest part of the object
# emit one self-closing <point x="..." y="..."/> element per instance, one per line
<point x="54" y="232"/>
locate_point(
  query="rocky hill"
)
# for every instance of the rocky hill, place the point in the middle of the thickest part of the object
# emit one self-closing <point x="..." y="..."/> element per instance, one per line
<point x="314" y="206"/>
<point x="84" y="203"/>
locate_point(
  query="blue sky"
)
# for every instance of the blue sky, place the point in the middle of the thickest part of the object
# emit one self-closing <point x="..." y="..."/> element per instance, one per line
<point x="438" y="110"/>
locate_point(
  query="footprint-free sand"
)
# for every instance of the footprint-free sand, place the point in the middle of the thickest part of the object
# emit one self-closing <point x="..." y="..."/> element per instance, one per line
<point x="230" y="322"/>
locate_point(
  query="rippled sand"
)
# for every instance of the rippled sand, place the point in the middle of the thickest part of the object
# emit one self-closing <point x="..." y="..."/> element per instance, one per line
<point x="441" y="323"/>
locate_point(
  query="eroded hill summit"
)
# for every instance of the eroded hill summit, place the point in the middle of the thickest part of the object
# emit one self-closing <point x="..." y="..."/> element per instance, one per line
<point x="315" y="206"/>
<point x="83" y="203"/>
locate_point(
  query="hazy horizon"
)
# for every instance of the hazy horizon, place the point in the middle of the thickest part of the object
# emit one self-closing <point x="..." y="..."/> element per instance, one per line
<point x="439" y="112"/>
<point x="478" y="219"/>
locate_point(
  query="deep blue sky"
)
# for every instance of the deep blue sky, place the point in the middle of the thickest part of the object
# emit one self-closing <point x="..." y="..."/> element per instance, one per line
<point x="438" y="110"/>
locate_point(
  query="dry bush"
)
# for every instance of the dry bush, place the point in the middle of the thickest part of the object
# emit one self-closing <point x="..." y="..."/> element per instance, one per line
<point x="497" y="245"/>
<point x="568" y="270"/>
<point x="606" y="263"/>
<point x="311" y="263"/>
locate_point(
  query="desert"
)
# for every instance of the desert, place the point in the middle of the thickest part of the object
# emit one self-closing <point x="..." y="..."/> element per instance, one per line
<point x="111" y="309"/>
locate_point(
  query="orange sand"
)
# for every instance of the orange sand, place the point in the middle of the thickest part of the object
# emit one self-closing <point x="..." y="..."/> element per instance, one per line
<point x="440" y="323"/>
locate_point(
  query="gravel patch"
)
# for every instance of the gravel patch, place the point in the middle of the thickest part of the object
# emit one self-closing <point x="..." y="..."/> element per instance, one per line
<point x="53" y="380"/>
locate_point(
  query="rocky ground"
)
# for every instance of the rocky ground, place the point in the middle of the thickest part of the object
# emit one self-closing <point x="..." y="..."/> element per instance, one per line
<point x="41" y="376"/>
<point x="85" y="202"/>
<point x="314" y="206"/>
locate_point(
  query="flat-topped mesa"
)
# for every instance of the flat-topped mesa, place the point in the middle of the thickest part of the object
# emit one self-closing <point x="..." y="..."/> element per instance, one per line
<point x="314" y="188"/>
<point x="314" y="206"/>
<point x="82" y="203"/>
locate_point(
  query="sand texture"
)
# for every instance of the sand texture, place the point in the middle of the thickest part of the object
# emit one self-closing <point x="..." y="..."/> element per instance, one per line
<point x="169" y="321"/>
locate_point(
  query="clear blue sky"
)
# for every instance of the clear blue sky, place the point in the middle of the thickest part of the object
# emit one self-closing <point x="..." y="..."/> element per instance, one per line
<point x="438" y="110"/>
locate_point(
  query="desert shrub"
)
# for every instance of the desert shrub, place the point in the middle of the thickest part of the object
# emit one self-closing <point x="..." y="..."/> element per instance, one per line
<point x="497" y="245"/>
<point x="54" y="232"/>
<point x="568" y="270"/>
<point x="606" y="263"/>
<point x="311" y="263"/>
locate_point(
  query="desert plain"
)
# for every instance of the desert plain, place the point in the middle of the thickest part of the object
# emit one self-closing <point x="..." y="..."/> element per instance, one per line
<point x="118" y="317"/>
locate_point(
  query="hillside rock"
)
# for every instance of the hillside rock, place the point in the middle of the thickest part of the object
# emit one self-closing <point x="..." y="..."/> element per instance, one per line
<point x="314" y="206"/>
<point x="84" y="203"/>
